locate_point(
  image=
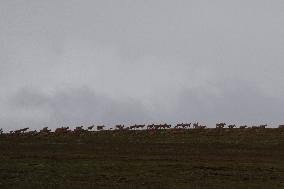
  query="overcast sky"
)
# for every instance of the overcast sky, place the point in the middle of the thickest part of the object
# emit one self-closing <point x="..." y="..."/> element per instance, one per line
<point x="71" y="62"/>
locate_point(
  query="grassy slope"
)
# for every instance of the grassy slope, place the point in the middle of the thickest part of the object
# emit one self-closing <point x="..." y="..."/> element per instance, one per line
<point x="195" y="159"/>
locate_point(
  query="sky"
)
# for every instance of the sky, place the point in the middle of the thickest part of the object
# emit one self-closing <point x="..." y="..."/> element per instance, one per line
<point x="70" y="63"/>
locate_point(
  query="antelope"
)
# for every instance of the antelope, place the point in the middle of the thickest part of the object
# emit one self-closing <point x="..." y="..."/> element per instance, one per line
<point x="62" y="130"/>
<point x="91" y="127"/>
<point x="45" y="130"/>
<point x="165" y="126"/>
<point x="20" y="130"/>
<point x="126" y="128"/>
<point x="100" y="127"/>
<point x="195" y="125"/>
<point x="79" y="129"/>
<point x="158" y="126"/>
<point x="183" y="125"/>
<point x="263" y="126"/>
<point x="231" y="126"/>
<point x="136" y="126"/>
<point x="32" y="132"/>
<point x="151" y="126"/>
<point x="243" y="126"/>
<point x="200" y="127"/>
<point x="187" y="125"/>
<point x="132" y="127"/>
<point x="140" y="126"/>
<point x="220" y="125"/>
<point x="119" y="127"/>
<point x="178" y="125"/>
<point x="1" y="131"/>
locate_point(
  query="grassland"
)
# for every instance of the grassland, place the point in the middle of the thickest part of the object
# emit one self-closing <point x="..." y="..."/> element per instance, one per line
<point x="210" y="158"/>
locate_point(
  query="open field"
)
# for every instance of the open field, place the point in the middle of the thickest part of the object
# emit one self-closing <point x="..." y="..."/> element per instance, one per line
<point x="208" y="158"/>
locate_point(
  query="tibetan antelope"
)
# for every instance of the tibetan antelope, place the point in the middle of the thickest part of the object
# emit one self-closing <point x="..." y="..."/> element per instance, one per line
<point x="263" y="126"/>
<point x="152" y="126"/>
<point x="157" y="126"/>
<point x="100" y="127"/>
<point x="162" y="126"/>
<point x="201" y="127"/>
<point x="165" y="126"/>
<point x="90" y="127"/>
<point x="79" y="130"/>
<point x="195" y="125"/>
<point x="32" y="132"/>
<point x="231" y="126"/>
<point x="126" y="128"/>
<point x="136" y="126"/>
<point x="62" y="130"/>
<point x="119" y="127"/>
<point x="182" y="125"/>
<point x="132" y="127"/>
<point x="140" y="126"/>
<point x="220" y="125"/>
<point x="45" y="130"/>
<point x="21" y="130"/>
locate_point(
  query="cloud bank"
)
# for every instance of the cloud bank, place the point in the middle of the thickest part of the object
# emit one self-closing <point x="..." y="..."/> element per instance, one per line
<point x="72" y="63"/>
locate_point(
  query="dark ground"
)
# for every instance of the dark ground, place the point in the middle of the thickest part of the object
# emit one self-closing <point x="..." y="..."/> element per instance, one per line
<point x="136" y="159"/>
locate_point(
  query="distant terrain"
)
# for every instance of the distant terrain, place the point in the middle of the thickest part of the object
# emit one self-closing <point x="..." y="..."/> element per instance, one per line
<point x="164" y="158"/>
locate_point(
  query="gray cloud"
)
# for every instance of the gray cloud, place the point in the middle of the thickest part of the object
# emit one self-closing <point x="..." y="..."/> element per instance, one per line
<point x="72" y="107"/>
<point x="237" y="103"/>
<point x="173" y="60"/>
